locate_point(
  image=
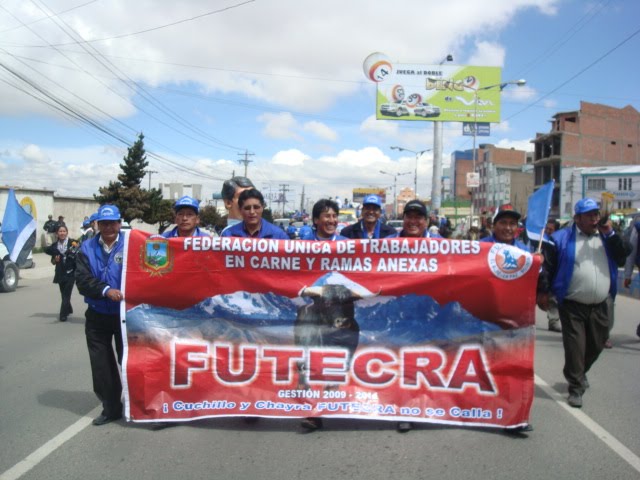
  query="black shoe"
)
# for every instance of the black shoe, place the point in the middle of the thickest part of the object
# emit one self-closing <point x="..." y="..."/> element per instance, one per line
<point x="250" y="420"/>
<point x="404" y="427"/>
<point x="103" y="420"/>
<point x="155" y="426"/>
<point x="311" y="423"/>
<point x="63" y="318"/>
<point x="575" y="400"/>
<point x="555" y="327"/>
<point x="522" y="429"/>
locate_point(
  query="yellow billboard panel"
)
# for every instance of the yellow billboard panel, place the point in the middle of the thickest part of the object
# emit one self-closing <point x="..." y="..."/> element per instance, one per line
<point x="441" y="93"/>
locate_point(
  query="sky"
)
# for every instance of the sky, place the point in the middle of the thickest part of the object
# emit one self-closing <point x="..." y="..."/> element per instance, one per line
<point x="206" y="81"/>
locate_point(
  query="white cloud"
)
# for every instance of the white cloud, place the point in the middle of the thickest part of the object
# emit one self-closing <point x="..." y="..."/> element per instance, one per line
<point x="279" y="126"/>
<point x="525" y="145"/>
<point x="289" y="158"/>
<point x="488" y="54"/>
<point x="320" y="130"/>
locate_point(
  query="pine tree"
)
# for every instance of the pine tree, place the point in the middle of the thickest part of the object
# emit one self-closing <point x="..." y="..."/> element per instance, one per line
<point x="132" y="200"/>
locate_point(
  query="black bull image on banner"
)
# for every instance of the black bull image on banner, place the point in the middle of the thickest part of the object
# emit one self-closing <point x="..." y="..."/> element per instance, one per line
<point x="329" y="321"/>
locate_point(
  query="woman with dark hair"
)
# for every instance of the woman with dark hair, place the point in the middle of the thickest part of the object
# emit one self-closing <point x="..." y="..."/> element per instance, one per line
<point x="63" y="256"/>
<point x="251" y="204"/>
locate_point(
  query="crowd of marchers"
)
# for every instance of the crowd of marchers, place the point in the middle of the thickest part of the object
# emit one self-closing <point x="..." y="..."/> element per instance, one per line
<point x="577" y="282"/>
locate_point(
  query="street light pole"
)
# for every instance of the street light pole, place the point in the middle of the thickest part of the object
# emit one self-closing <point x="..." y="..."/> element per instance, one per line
<point x="395" y="191"/>
<point x="436" y="197"/>
<point x="415" y="175"/>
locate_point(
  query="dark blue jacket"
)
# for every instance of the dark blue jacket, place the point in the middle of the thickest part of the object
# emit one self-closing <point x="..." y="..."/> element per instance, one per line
<point x="267" y="230"/>
<point x="95" y="270"/>
<point x="358" y="231"/>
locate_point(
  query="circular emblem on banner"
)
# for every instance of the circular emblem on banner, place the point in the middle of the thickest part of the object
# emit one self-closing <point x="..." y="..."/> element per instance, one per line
<point x="507" y="262"/>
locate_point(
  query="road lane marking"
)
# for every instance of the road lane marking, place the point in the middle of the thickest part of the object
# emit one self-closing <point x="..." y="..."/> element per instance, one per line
<point x="608" y="439"/>
<point x="48" y="448"/>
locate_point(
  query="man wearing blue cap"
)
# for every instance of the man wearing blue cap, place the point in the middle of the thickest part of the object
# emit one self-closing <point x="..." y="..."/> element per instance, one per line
<point x="187" y="219"/>
<point x="582" y="268"/>
<point x="99" y="278"/>
<point x="370" y="226"/>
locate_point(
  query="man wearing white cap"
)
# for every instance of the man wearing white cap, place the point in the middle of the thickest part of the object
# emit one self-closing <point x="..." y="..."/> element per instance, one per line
<point x="99" y="278"/>
<point x="582" y="266"/>
<point x="370" y="226"/>
<point x="187" y="219"/>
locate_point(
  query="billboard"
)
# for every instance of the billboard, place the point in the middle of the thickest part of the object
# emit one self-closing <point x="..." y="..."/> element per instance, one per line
<point x="482" y="129"/>
<point x="360" y="193"/>
<point x="441" y="93"/>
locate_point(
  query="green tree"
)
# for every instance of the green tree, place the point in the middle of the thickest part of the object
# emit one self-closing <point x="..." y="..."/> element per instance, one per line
<point x="160" y="210"/>
<point x="209" y="216"/>
<point x="126" y="193"/>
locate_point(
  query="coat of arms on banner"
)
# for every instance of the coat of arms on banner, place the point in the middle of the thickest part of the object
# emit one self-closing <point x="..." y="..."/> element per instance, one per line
<point x="156" y="256"/>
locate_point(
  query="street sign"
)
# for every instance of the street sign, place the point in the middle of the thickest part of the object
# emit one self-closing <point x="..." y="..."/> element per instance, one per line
<point x="473" y="180"/>
<point x="483" y="129"/>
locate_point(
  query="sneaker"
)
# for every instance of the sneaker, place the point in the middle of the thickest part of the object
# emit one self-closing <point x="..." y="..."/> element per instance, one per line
<point x="575" y="400"/>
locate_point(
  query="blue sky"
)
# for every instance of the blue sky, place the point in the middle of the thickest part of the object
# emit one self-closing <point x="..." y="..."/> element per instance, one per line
<point x="282" y="79"/>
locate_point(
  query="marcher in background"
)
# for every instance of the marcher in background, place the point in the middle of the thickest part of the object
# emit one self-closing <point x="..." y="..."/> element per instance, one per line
<point x="231" y="190"/>
<point x="63" y="256"/>
<point x="370" y="226"/>
<point x="99" y="278"/>
<point x="91" y="230"/>
<point x="60" y="221"/>
<point x="505" y="228"/>
<point x="291" y="231"/>
<point x="582" y="267"/>
<point x="415" y="219"/>
<point x="633" y="259"/>
<point x="187" y="219"/>
<point x="50" y="227"/>
<point x="251" y="203"/>
<point x="305" y="230"/>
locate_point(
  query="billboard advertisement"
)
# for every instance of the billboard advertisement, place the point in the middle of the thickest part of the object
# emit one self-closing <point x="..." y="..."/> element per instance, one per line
<point x="360" y="193"/>
<point x="441" y="93"/>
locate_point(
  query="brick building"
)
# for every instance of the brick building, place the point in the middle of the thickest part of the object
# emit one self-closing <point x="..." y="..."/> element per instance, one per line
<point x="593" y="136"/>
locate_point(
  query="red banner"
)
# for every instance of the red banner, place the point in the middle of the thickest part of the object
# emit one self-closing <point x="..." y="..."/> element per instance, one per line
<point x="424" y="330"/>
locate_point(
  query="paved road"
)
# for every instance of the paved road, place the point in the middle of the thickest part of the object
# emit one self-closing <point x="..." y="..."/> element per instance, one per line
<point x="46" y="407"/>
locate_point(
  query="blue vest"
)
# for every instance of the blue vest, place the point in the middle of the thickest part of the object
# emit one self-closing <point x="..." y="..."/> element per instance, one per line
<point x="107" y="268"/>
<point x="565" y="241"/>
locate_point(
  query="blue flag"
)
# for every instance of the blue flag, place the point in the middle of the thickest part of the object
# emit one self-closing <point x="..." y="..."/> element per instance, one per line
<point x="18" y="230"/>
<point x="538" y="210"/>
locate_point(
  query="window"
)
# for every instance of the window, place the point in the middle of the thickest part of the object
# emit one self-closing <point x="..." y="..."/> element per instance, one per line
<point x="596" y="184"/>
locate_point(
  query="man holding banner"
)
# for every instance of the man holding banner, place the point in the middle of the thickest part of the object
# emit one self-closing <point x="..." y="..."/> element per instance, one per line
<point x="99" y="278"/>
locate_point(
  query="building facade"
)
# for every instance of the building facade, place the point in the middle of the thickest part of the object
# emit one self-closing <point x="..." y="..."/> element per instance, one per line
<point x="593" y="136"/>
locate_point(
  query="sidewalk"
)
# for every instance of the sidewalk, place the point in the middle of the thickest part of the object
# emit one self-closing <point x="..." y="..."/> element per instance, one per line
<point x="42" y="269"/>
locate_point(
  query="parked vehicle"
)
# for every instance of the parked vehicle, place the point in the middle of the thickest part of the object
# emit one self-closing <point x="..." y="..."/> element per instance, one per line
<point x="397" y="224"/>
<point x="9" y="271"/>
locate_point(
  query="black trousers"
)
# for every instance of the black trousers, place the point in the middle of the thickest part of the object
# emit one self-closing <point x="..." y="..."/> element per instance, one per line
<point x="66" y="289"/>
<point x="101" y="331"/>
<point x="585" y="329"/>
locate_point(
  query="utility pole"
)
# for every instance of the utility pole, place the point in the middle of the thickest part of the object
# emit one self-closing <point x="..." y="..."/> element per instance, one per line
<point x="302" y="201"/>
<point x="284" y="187"/>
<point x="246" y="160"/>
<point x="150" y="172"/>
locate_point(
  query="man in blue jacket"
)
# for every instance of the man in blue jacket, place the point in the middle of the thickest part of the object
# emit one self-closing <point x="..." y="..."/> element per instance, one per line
<point x="582" y="267"/>
<point x="370" y="226"/>
<point x="187" y="219"/>
<point x="99" y="278"/>
<point x="505" y="228"/>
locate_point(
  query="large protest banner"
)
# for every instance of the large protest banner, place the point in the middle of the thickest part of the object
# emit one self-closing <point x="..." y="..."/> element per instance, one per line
<point x="426" y="330"/>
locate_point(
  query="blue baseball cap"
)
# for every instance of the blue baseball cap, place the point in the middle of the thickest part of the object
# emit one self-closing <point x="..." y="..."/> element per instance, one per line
<point x="372" y="200"/>
<point x="93" y="217"/>
<point x="586" y="205"/>
<point x="86" y="223"/>
<point x="188" y="202"/>
<point x="108" y="212"/>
